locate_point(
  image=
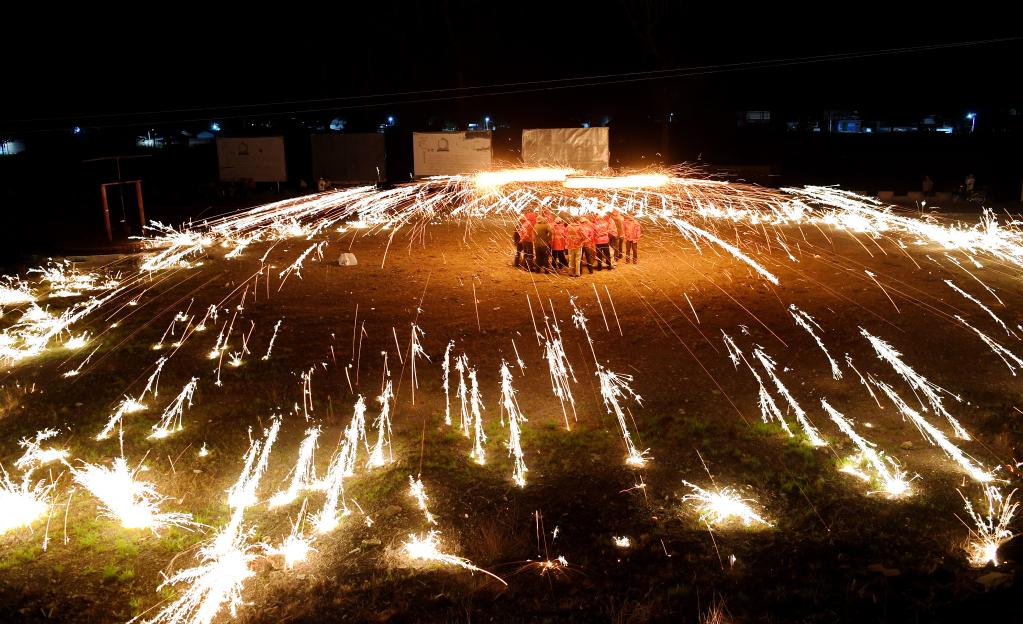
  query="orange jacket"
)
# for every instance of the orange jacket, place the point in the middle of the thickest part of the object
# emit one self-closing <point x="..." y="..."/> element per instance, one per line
<point x="558" y="242"/>
<point x="600" y="231"/>
<point x="631" y="230"/>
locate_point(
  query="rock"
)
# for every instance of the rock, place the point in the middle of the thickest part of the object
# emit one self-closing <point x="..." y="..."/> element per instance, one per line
<point x="907" y="445"/>
<point x="994" y="579"/>
<point x="390" y="512"/>
<point x="371" y="542"/>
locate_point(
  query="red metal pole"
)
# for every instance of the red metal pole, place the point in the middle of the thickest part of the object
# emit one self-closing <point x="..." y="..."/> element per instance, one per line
<point x="106" y="212"/>
<point x="142" y="212"/>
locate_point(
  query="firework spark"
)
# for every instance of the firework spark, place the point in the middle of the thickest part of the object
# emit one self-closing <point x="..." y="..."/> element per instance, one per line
<point x="170" y="422"/>
<point x="615" y="389"/>
<point x="427" y="548"/>
<point x="935" y="436"/>
<point x="418" y="491"/>
<point x="35" y="455"/>
<point x="479" y="438"/>
<point x="808" y="323"/>
<point x="916" y="381"/>
<point x="884" y="469"/>
<point x="303" y="475"/>
<point x="132" y="502"/>
<point x="992" y="526"/>
<point x="22" y="502"/>
<point x="809" y="429"/>
<point x="510" y="406"/>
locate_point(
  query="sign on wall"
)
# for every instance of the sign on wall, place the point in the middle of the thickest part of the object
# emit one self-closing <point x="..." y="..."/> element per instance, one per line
<point x="450" y="153"/>
<point x="253" y="158"/>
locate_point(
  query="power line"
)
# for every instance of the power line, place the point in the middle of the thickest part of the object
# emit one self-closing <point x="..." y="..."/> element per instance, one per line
<point x="512" y="87"/>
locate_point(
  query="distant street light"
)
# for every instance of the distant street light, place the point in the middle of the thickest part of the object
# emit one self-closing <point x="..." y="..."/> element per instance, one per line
<point x="973" y="121"/>
<point x="215" y="127"/>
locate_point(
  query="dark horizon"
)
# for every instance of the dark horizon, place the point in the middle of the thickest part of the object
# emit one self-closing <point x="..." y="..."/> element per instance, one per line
<point x="117" y="73"/>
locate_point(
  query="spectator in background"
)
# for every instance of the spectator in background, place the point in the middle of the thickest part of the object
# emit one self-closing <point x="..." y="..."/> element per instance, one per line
<point x="928" y="186"/>
<point x="970" y="183"/>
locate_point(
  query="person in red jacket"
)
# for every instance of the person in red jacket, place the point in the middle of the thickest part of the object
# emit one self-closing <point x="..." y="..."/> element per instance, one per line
<point x="589" y="242"/>
<point x="525" y="232"/>
<point x="558" y="244"/>
<point x="602" y="239"/>
<point x="616" y="230"/>
<point x="631" y="230"/>
<point x="576" y="240"/>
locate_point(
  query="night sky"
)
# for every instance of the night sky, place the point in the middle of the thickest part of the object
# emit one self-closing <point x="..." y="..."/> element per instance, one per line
<point x="101" y="72"/>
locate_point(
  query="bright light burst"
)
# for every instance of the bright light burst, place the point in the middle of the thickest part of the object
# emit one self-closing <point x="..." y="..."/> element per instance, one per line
<point x="722" y="505"/>
<point x="130" y="501"/>
<point x="23" y="502"/>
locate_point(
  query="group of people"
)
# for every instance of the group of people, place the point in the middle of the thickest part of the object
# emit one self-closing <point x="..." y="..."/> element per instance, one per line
<point x="545" y="243"/>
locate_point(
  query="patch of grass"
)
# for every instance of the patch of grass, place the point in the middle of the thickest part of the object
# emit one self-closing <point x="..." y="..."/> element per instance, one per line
<point x="109" y="572"/>
<point x="20" y="555"/>
<point x="87" y="534"/>
<point x="125" y="548"/>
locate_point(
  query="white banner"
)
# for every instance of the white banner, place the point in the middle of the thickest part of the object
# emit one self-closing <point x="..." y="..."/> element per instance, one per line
<point x="580" y="148"/>
<point x="255" y="158"/>
<point x="450" y="153"/>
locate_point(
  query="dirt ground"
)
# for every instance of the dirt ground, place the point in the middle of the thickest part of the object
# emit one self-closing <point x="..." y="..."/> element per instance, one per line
<point x="835" y="552"/>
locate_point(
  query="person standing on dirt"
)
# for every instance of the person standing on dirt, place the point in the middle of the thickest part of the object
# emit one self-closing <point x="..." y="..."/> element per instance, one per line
<point x="542" y="235"/>
<point x="558" y="244"/>
<point x="616" y="229"/>
<point x="520" y="247"/>
<point x="631" y="231"/>
<point x="575" y="241"/>
<point x="927" y="187"/>
<point x="589" y="243"/>
<point x="526" y="240"/>
<point x="602" y="239"/>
